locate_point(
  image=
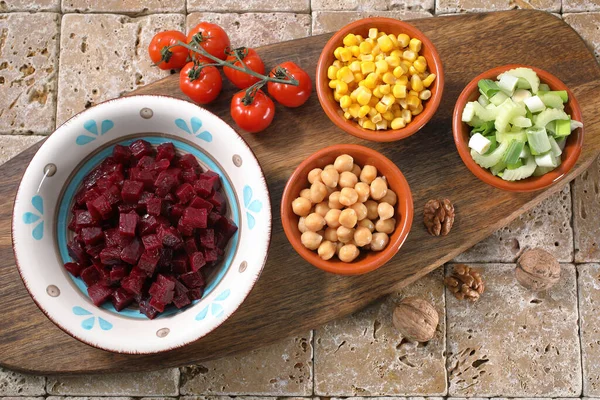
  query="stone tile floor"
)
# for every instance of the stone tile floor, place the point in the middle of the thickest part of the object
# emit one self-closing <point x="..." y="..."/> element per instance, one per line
<point x="513" y="343"/>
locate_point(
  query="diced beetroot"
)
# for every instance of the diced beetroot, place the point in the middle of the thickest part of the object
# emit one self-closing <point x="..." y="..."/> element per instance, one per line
<point x="164" y="183"/>
<point x="117" y="273"/>
<point x="101" y="206"/>
<point x="170" y="237"/>
<point x="195" y="217"/>
<point x="211" y="255"/>
<point x="180" y="264"/>
<point x="147" y="225"/>
<point x="157" y="305"/>
<point x="134" y="283"/>
<point x="90" y="276"/>
<point x="132" y="252"/>
<point x="132" y="190"/>
<point x="170" y="197"/>
<point x="197" y="261"/>
<point x="110" y="256"/>
<point x="91" y="235"/>
<point x="181" y="301"/>
<point x="154" y="206"/>
<point x="188" y="161"/>
<point x="227" y="227"/>
<point x="113" y="238"/>
<point x="193" y="279"/>
<point x="185" y="193"/>
<point x="84" y="219"/>
<point x="146" y="162"/>
<point x="113" y="195"/>
<point x="103" y="184"/>
<point x="166" y="257"/>
<point x="184" y="229"/>
<point x="144" y="176"/>
<point x="99" y="293"/>
<point x="122" y="154"/>
<point x="219" y="201"/>
<point x="91" y="178"/>
<point x="117" y="178"/>
<point x="161" y="165"/>
<point x="144" y="198"/>
<point x="121" y="299"/>
<point x="199" y="202"/>
<point x="190" y="245"/>
<point x="207" y="238"/>
<point x="140" y="148"/>
<point x="73" y="268"/>
<point x="177" y="210"/>
<point x="213" y="178"/>
<point x="126" y="208"/>
<point x="152" y="242"/>
<point x="148" y="261"/>
<point x="213" y="218"/>
<point x="203" y="188"/>
<point x="196" y="293"/>
<point x="189" y="175"/>
<point x="165" y="151"/>
<point x="93" y="250"/>
<point x="147" y="309"/>
<point x="128" y="223"/>
<point x="72" y="226"/>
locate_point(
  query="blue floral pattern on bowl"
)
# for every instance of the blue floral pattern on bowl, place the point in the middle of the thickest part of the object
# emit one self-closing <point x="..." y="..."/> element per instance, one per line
<point x="92" y="127"/>
<point x="36" y="218"/>
<point x="252" y="206"/>
<point x="88" y="323"/>
<point x="216" y="308"/>
<point x="196" y="124"/>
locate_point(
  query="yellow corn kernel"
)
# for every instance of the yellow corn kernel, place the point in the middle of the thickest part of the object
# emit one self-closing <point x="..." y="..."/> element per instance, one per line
<point x="413" y="93"/>
<point x="341" y="87"/>
<point x="381" y="125"/>
<point x="344" y="74"/>
<point x="415" y="45"/>
<point x="417" y="110"/>
<point x="372" y="112"/>
<point x="412" y="70"/>
<point x="358" y="77"/>
<point x="389" y="78"/>
<point x="385" y="44"/>
<point x="405" y="65"/>
<point x="369" y="125"/>
<point x="332" y="71"/>
<point x="333" y="83"/>
<point x="380" y="34"/>
<point x="393" y="39"/>
<point x="376" y="118"/>
<point x="403" y="39"/>
<point x="423" y="75"/>
<point x="350" y="40"/>
<point x="337" y="96"/>
<point x="388" y="115"/>
<point x="402" y="104"/>
<point x="392" y="61"/>
<point x="346" y="54"/>
<point x="399" y="91"/>
<point x="381" y="108"/>
<point x="420" y="66"/>
<point x="366" y="67"/>
<point x="425" y="94"/>
<point x="403" y="80"/>
<point x="398" y="114"/>
<point x="377" y="93"/>
<point x="422" y="59"/>
<point x="385" y="89"/>
<point x="388" y="100"/>
<point x="380" y="57"/>
<point x="353" y="110"/>
<point x="360" y="38"/>
<point x="412" y="101"/>
<point x="345" y="101"/>
<point x="396" y="53"/>
<point x="347" y="115"/>
<point x="364" y="110"/>
<point x="355" y="50"/>
<point x="371" y="81"/>
<point x="354" y="94"/>
<point x="336" y="53"/>
<point x="373" y="102"/>
<point x="406" y="116"/>
<point x="365" y="48"/>
<point x="381" y="67"/>
<point x="398" y="71"/>
<point x="429" y="80"/>
<point x="408" y="55"/>
<point x="373" y="33"/>
<point x="363" y="96"/>
<point x="338" y="64"/>
<point x="416" y="83"/>
<point x="366" y="57"/>
<point x="361" y="83"/>
<point x="376" y="50"/>
<point x="398" y="123"/>
<point x="354" y="66"/>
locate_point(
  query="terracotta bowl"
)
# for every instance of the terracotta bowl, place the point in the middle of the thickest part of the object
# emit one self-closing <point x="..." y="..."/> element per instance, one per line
<point x="367" y="261"/>
<point x="461" y="134"/>
<point x="388" y="25"/>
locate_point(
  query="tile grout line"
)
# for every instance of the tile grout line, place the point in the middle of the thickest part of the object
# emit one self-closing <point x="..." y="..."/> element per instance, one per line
<point x="446" y="337"/>
<point x="314" y="333"/>
<point x="579" y="329"/>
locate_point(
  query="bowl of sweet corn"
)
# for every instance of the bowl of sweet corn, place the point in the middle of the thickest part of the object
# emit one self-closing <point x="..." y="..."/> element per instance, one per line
<point x="379" y="79"/>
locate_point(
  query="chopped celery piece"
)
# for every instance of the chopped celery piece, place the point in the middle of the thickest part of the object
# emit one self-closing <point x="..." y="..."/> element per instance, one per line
<point x="506" y="112"/>
<point x="554" y="147"/>
<point x="523" y="84"/>
<point x="516" y="165"/>
<point x="551" y="127"/>
<point x="483" y="100"/>
<point x="521" y="122"/>
<point x="498" y="98"/>
<point x="468" y="112"/>
<point x="525" y="152"/>
<point x="520" y="95"/>
<point x="563" y="128"/>
<point x="561" y="142"/>
<point x="529" y="115"/>
<point x="546" y="160"/>
<point x="488" y="87"/>
<point x="514" y="152"/>
<point x="485" y="113"/>
<point x="534" y="104"/>
<point x="552" y="100"/>
<point x="549" y="115"/>
<point x="538" y="140"/>
<point x="560" y="93"/>
<point x="475" y="122"/>
<point x="575" y="125"/>
<point x="508" y="136"/>
<point x="508" y="83"/>
<point x="485" y="129"/>
<point x="479" y="143"/>
<point x="544" y="87"/>
<point x="539" y="171"/>
<point x="522" y="172"/>
<point x="493" y="143"/>
<point x="488" y="160"/>
<point x="526" y="73"/>
<point x="498" y="168"/>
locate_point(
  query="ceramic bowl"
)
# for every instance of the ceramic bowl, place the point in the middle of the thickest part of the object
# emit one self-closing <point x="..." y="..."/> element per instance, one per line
<point x="388" y="25"/>
<point x="461" y="132"/>
<point x="367" y="261"/>
<point x="41" y="214"/>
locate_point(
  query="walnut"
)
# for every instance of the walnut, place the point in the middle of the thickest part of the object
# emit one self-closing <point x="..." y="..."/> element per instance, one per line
<point x="438" y="216"/>
<point x="537" y="270"/>
<point x="416" y="319"/>
<point x="465" y="283"/>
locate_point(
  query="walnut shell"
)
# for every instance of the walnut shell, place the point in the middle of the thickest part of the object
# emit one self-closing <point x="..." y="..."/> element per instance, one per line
<point x="416" y="319"/>
<point x="537" y="270"/>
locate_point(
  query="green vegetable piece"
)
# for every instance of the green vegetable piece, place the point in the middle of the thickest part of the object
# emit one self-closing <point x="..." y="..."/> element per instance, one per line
<point x="489" y="160"/>
<point x="516" y="165"/>
<point x="564" y="96"/>
<point x="538" y="140"/>
<point x="544" y="88"/>
<point x="506" y="112"/>
<point x="493" y="144"/>
<point x="563" y="128"/>
<point x="513" y="153"/>
<point x="498" y="168"/>
<point x="488" y="87"/>
<point x="522" y="172"/>
<point x="552" y="100"/>
<point x="485" y="128"/>
<point x="508" y="136"/>
<point x="483" y="100"/>
<point x="527" y="74"/>
<point x="498" y="98"/>
<point x="549" y="115"/>
<point x="546" y="160"/>
<point x="554" y="147"/>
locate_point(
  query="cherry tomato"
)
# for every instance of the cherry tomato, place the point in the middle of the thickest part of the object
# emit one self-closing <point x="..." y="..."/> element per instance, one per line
<point x="290" y="95"/>
<point x="164" y="58"/>
<point x="201" y="85"/>
<point x="253" y="117"/>
<point x="212" y="38"/>
<point x="241" y="79"/>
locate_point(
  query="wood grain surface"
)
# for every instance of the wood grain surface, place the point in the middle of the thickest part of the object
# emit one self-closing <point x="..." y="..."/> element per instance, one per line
<point x="291" y="296"/>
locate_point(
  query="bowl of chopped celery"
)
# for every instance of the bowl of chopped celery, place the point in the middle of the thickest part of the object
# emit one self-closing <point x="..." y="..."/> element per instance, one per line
<point x="518" y="128"/>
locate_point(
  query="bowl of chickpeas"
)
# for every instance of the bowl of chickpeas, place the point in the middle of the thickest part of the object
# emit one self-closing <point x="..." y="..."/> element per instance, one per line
<point x="379" y="79"/>
<point x="347" y="209"/>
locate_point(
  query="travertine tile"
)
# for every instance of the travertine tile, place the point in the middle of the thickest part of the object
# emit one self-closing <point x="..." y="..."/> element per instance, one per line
<point x="455" y="6"/>
<point x="514" y="342"/>
<point x="105" y="55"/>
<point x="229" y="6"/>
<point x="387" y="398"/>
<point x="10" y="146"/>
<point x="28" y="64"/>
<point x="589" y="310"/>
<point x="124" y="6"/>
<point x="586" y="213"/>
<point x="580" y="5"/>
<point x="234" y="397"/>
<point x="587" y="25"/>
<point x="365" y="355"/>
<point x="156" y="383"/>
<point x="29" y="5"/>
<point x="547" y="226"/>
<point x="256" y="29"/>
<point x="331" y="21"/>
<point x="372" y="5"/>
<point x="280" y="369"/>
<point x="16" y="384"/>
<point x="92" y="398"/>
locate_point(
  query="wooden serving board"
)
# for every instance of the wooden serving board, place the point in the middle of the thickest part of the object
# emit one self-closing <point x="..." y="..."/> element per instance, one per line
<point x="292" y="296"/>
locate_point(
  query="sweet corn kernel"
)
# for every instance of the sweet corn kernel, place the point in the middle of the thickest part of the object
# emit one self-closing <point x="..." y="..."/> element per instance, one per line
<point x="377" y="93"/>
<point x="371" y="81"/>
<point x="345" y="101"/>
<point x="419" y="65"/>
<point x="425" y="94"/>
<point x="388" y="115"/>
<point x="392" y="61"/>
<point x="413" y="93"/>
<point x="398" y="71"/>
<point x="336" y="52"/>
<point x="344" y="74"/>
<point x="381" y="108"/>
<point x="358" y="77"/>
<point x="417" y="110"/>
<point x="385" y="44"/>
<point x="398" y="114"/>
<point x="359" y="38"/>
<point x="380" y="57"/>
<point x="381" y="67"/>
<point x="341" y="87"/>
<point x="332" y="71"/>
<point x="380" y="34"/>
<point x="373" y="102"/>
<point x="350" y="40"/>
<point x="337" y="96"/>
<point x="353" y="110"/>
<point x="376" y="118"/>
<point x="347" y="115"/>
<point x="416" y="83"/>
<point x="415" y="45"/>
<point x="367" y="67"/>
<point x="405" y="65"/>
<point x="376" y="50"/>
<point x="396" y="53"/>
<point x="388" y="100"/>
<point x="367" y="57"/>
<point x="389" y="78"/>
<point x="398" y="123"/>
<point x="364" y="110"/>
<point x="412" y="70"/>
<point x="354" y="94"/>
<point x="407" y="116"/>
<point x="355" y="66"/>
<point x="373" y="33"/>
<point x="403" y="80"/>
<point x="429" y="80"/>
<point x="402" y="103"/>
<point x="361" y="83"/>
<point x="355" y="50"/>
<point x="399" y="91"/>
<point x="393" y="39"/>
<point x="365" y="47"/>
<point x="403" y="40"/>
<point x="408" y="55"/>
<point x="369" y="125"/>
<point x="372" y="112"/>
<point x="363" y="96"/>
<point x="385" y="89"/>
<point x="338" y="64"/>
<point x="346" y="54"/>
<point x="412" y="101"/>
<point x="381" y="125"/>
<point x="333" y="83"/>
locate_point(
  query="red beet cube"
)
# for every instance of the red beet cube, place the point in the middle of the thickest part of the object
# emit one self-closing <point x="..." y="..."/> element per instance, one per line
<point x="74" y="268"/>
<point x="147" y="225"/>
<point x="187" y="161"/>
<point x="190" y="245"/>
<point x="199" y="202"/>
<point x="132" y="252"/>
<point x="181" y="301"/>
<point x="134" y="283"/>
<point x="140" y="148"/>
<point x="177" y="210"/>
<point x="113" y="195"/>
<point x="219" y="201"/>
<point x="180" y="264"/>
<point x="195" y="293"/>
<point x="197" y="261"/>
<point x="213" y="218"/>
<point x="195" y="217"/>
<point x="170" y="237"/>
<point x="90" y="276"/>
<point x="128" y="223"/>
<point x="91" y="235"/>
<point x="184" y="229"/>
<point x="126" y="208"/>
<point x="132" y="190"/>
<point x="101" y="206"/>
<point x="170" y="197"/>
<point x="189" y="175"/>
<point x="203" y="188"/>
<point x="117" y="273"/>
<point x="117" y="178"/>
<point x="164" y="183"/>
<point x="161" y="165"/>
<point x="157" y="305"/>
<point x="99" y="293"/>
<point x="103" y="184"/>
<point x="166" y="257"/>
<point x="227" y="227"/>
<point x="154" y="206"/>
<point x="122" y="154"/>
<point x="211" y="255"/>
<point x="192" y="279"/>
<point x="91" y="195"/>
<point x="148" y="261"/>
<point x="77" y="252"/>
<point x="113" y="238"/>
<point x="110" y="256"/>
<point x="185" y="193"/>
<point x="152" y="242"/>
<point x="93" y="250"/>
<point x="207" y="238"/>
<point x="147" y="309"/>
<point x="144" y="176"/>
<point x="213" y="178"/>
<point x="165" y="151"/>
<point x="121" y="299"/>
<point x="146" y="162"/>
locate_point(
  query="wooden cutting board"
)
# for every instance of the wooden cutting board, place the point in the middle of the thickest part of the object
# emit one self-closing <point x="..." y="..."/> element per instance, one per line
<point x="292" y="296"/>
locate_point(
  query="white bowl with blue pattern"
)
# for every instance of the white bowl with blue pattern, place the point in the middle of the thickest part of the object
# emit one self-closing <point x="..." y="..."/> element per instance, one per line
<point x="41" y="215"/>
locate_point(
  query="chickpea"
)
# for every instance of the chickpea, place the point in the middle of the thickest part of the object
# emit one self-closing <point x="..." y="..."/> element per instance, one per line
<point x="315" y="175"/>
<point x="344" y="163"/>
<point x="348" y="196"/>
<point x="330" y="190"/>
<point x="348" y="218"/>
<point x="345" y="234"/>
<point x="372" y="213"/>
<point x="331" y="234"/>
<point x="362" y="236"/>
<point x="378" y="188"/>
<point x="363" y="190"/>
<point x="314" y="222"/>
<point x="328" y="166"/>
<point x="326" y="250"/>
<point x="348" y="253"/>
<point x="305" y="193"/>
<point x="332" y="218"/>
<point x="347" y="179"/>
<point x="367" y="223"/>
<point x="356" y="170"/>
<point x="318" y="191"/>
<point x="368" y="174"/>
<point x="390" y="198"/>
<point x="338" y="246"/>
<point x="322" y="208"/>
<point x="311" y="240"/>
<point x="301" y="225"/>
<point x="334" y="201"/>
<point x="385" y="211"/>
<point x="386" y="225"/>
<point x="379" y="241"/>
<point x="360" y="209"/>
<point x="330" y="177"/>
<point x="301" y="206"/>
